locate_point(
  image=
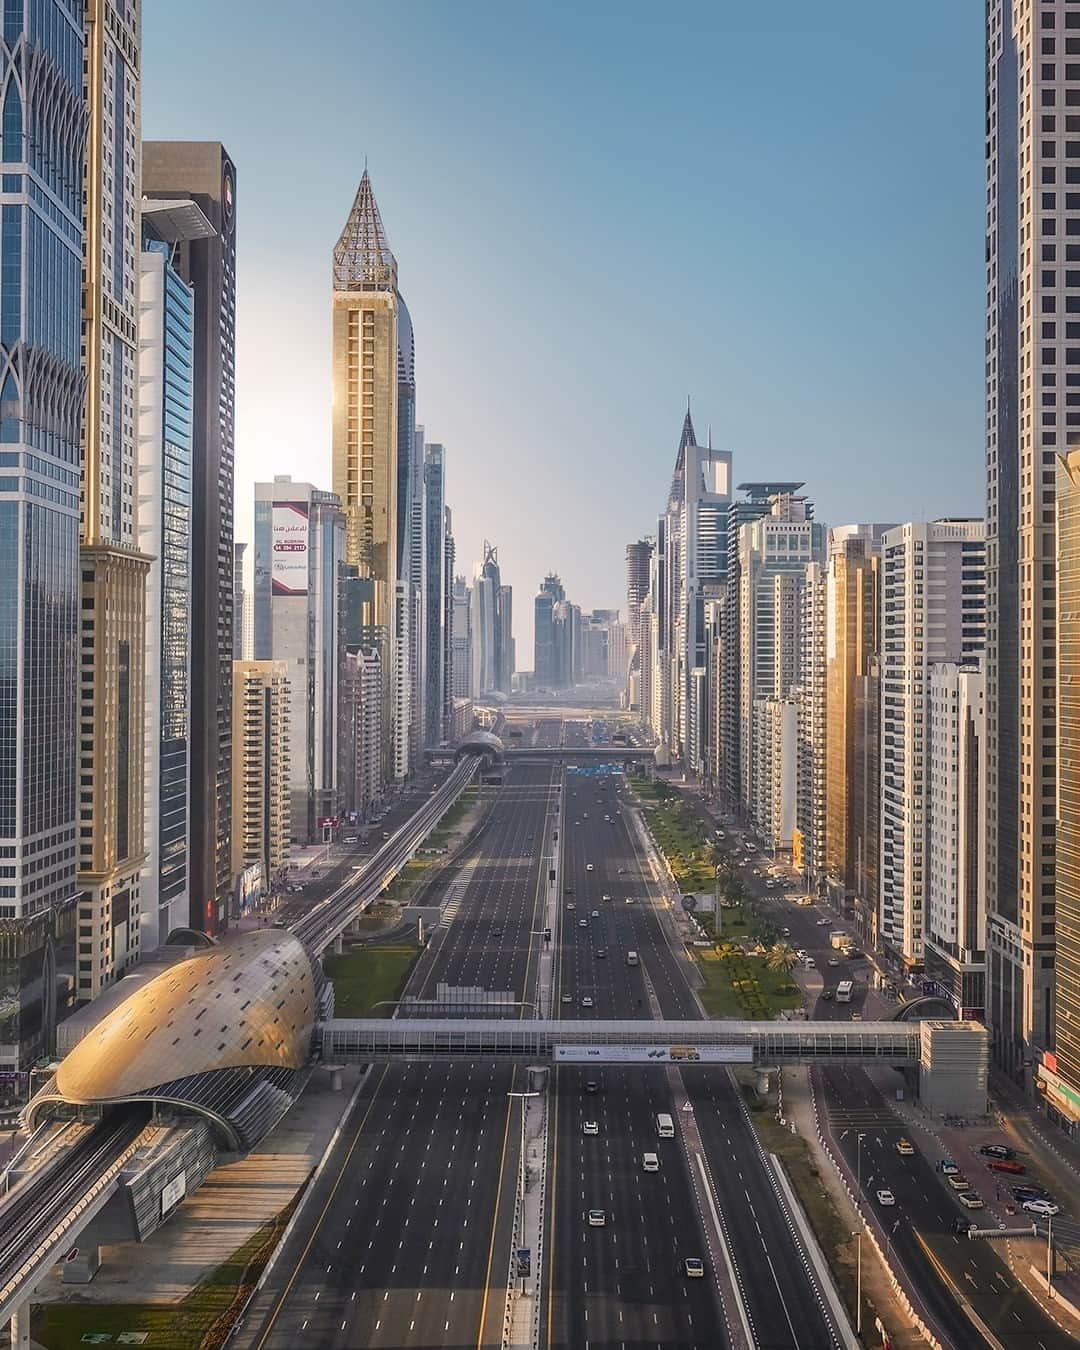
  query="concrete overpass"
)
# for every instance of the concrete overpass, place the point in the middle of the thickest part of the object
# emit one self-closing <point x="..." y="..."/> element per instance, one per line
<point x="614" y="753"/>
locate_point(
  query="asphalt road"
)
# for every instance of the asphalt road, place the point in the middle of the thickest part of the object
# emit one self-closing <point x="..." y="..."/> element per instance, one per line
<point x="399" y="1244"/>
<point x="945" y="1268"/>
<point x="623" y="1285"/>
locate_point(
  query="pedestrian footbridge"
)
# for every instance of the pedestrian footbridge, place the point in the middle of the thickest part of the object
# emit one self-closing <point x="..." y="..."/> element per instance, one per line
<point x="378" y="1040"/>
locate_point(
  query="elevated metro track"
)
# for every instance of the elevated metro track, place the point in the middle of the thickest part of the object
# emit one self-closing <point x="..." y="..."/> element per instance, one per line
<point x="330" y="918"/>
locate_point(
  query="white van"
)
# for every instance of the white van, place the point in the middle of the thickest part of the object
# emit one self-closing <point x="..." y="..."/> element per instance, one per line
<point x="665" y="1126"/>
<point x="650" y="1163"/>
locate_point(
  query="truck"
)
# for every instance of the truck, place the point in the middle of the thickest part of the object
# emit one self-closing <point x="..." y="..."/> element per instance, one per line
<point x="838" y="940"/>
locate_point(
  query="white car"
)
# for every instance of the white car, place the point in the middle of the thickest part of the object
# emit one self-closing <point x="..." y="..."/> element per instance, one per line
<point x="1046" y="1209"/>
<point x="597" y="1218"/>
<point x="586" y="1002"/>
<point x="694" y="1268"/>
<point x="590" y="1127"/>
<point x="583" y="923"/>
<point x="823" y="923"/>
<point x="588" y="867"/>
<point x="605" y="896"/>
<point x="886" y="1198"/>
<point x="596" y="913"/>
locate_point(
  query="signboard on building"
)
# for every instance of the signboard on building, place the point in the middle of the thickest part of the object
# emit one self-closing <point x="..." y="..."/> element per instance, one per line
<point x="654" y="1054"/>
<point x="289" y="548"/>
<point x="173" y="1192"/>
<point x="249" y="885"/>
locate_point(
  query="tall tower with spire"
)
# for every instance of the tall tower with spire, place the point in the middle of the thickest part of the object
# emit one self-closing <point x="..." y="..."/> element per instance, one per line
<point x="365" y="434"/>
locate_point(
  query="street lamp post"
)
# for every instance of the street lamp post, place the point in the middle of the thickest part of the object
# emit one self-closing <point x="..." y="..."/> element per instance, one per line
<point x="858" y="1282"/>
<point x="858" y="1163"/>
<point x="522" y="1097"/>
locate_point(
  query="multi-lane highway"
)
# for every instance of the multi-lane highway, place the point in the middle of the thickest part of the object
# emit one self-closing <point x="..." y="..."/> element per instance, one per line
<point x="625" y="1284"/>
<point x="403" y="1237"/>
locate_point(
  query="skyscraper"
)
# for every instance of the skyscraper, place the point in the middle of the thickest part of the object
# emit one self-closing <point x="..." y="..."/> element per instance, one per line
<point x="434" y="489"/>
<point x="299" y="548"/>
<point x="366" y="439"/>
<point x="1032" y="380"/>
<point x="166" y="372"/>
<point x="114" y="570"/>
<point x="462" y="595"/>
<point x="547" y="664"/>
<point x="637" y="584"/>
<point x="932" y="611"/>
<point x="260" y="776"/>
<point x="203" y="173"/>
<point x="42" y="142"/>
<point x="1060" y="1077"/>
<point x="449" y="563"/>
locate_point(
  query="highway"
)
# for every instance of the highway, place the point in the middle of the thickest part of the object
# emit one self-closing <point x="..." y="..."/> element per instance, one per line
<point x="945" y="1268"/>
<point x="624" y="1285"/>
<point x="405" y="1231"/>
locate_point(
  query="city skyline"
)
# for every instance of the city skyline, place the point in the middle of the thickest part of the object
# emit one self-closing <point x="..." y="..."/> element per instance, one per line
<point x="859" y="345"/>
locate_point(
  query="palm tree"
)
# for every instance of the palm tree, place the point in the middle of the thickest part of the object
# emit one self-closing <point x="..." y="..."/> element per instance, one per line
<point x="781" y="957"/>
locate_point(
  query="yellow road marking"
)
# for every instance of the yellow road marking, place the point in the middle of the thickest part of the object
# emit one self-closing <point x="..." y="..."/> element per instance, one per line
<point x="495" y="1219"/>
<point x="322" y="1216"/>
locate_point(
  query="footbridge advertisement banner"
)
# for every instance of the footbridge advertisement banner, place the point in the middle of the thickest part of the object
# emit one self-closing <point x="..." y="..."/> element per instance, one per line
<point x="654" y="1054"/>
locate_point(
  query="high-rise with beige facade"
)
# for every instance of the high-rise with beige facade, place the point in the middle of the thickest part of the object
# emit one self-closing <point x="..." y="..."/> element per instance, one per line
<point x="365" y="429"/>
<point x="1032" y="383"/>
<point x="114" y="570"/>
<point x="852" y="605"/>
<point x="260" y="769"/>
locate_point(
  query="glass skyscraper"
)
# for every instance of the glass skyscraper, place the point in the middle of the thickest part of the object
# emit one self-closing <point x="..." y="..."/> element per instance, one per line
<point x="42" y="143"/>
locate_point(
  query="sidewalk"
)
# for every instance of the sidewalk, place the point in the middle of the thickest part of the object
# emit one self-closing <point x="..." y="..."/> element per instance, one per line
<point x="879" y="1288"/>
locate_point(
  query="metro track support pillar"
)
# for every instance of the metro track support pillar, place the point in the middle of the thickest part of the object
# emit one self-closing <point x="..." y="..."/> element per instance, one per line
<point x="20" y="1326"/>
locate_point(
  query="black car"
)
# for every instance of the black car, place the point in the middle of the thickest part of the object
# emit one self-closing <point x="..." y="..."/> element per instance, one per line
<point x="1023" y="1193"/>
<point x="1002" y="1151"/>
<point x="591" y="1087"/>
<point x="828" y="995"/>
<point x="961" y="1226"/>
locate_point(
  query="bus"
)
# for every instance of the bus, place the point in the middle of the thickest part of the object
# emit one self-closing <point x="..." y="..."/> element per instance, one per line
<point x="665" y="1126"/>
<point x="843" y="991"/>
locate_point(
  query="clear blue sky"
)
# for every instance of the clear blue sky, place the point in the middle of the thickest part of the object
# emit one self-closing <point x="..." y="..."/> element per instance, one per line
<point x="598" y="208"/>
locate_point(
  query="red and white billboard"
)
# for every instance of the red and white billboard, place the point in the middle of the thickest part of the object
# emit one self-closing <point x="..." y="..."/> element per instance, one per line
<point x="289" y="549"/>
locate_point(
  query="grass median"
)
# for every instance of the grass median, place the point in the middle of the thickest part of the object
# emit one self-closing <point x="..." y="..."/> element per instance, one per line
<point x="201" y="1321"/>
<point x="370" y="976"/>
<point x="741" y="985"/>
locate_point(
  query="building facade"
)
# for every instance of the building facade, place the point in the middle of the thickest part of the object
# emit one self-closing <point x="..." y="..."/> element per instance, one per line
<point x="359" y="732"/>
<point x="1031" y="286"/>
<point x="1061" y="1079"/>
<point x="260" y="776"/>
<point x="41" y="750"/>
<point x="299" y="554"/>
<point x="433" y="608"/>
<point x="166" y="407"/>
<point x="955" y="940"/>
<point x="461" y="599"/>
<point x="203" y="173"/>
<point x="933" y="610"/>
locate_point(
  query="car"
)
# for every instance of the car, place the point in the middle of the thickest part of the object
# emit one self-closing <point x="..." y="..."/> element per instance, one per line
<point x="568" y="890"/>
<point x="591" y="1087"/>
<point x="997" y="1151"/>
<point x="856" y="1017"/>
<point x="949" y="1167"/>
<point x="586" y="1002"/>
<point x="905" y="1148"/>
<point x="828" y="995"/>
<point x="622" y="871"/>
<point x="601" y="952"/>
<point x="571" y="905"/>
<point x="605" y="896"/>
<point x="596" y="913"/>
<point x="577" y="822"/>
<point x="567" y="998"/>
<point x="496" y="932"/>
<point x="584" y="815"/>
<point x="823" y="923"/>
<point x="886" y="1198"/>
<point x="597" y="1218"/>
<point x="971" y="1200"/>
<point x="650" y="1162"/>
<point x="962" y="1226"/>
<point x="583" y="923"/>
<point x="1045" y="1209"/>
<point x="959" y="1182"/>
<point x="1008" y="1165"/>
<point x="590" y="1127"/>
<point x="695" y="1269"/>
<point x="786" y="932"/>
<point x="589" y="867"/>
<point x="1029" y="1192"/>
<point x="809" y="963"/>
<point x="833" y="961"/>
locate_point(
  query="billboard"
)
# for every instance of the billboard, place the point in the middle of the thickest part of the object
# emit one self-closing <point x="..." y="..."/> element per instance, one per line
<point x="654" y="1054"/>
<point x="289" y="548"/>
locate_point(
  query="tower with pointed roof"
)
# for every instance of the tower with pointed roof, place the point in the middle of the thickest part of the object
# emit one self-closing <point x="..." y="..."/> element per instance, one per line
<point x="365" y="432"/>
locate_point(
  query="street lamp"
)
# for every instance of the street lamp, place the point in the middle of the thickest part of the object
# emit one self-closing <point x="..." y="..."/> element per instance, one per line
<point x="522" y="1097"/>
<point x="858" y="1163"/>
<point x="858" y="1282"/>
